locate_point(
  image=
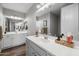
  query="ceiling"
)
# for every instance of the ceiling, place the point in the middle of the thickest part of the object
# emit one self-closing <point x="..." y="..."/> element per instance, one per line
<point x="20" y="7"/>
<point x="54" y="8"/>
<point x="24" y="7"/>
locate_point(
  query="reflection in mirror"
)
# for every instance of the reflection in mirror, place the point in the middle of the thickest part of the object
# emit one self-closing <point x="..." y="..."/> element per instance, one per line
<point x="41" y="25"/>
<point x="45" y="23"/>
<point x="21" y="26"/>
<point x="12" y="25"/>
<point x="7" y="25"/>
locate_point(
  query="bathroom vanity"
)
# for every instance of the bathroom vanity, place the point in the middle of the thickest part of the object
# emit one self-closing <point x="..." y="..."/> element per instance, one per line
<point x="38" y="46"/>
<point x="12" y="39"/>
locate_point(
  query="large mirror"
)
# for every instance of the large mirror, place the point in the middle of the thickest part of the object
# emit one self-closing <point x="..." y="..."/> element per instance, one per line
<point x="42" y="25"/>
<point x="12" y="25"/>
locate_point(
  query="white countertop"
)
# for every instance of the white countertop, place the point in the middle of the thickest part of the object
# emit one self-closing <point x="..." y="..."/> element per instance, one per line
<point x="53" y="48"/>
<point x="16" y="32"/>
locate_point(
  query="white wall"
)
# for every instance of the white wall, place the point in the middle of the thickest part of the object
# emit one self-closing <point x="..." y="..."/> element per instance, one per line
<point x="69" y="20"/>
<point x="2" y="19"/>
<point x="31" y="22"/>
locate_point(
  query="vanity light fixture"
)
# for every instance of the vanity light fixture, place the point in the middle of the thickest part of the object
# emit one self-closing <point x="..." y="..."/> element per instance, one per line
<point x="14" y="17"/>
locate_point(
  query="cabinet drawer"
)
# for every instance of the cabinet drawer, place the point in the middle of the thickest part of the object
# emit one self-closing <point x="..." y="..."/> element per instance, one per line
<point x="32" y="52"/>
<point x="40" y="51"/>
<point x="35" y="50"/>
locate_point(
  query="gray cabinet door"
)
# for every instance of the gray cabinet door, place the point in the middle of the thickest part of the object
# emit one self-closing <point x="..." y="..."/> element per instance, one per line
<point x="69" y="20"/>
<point x="32" y="52"/>
<point x="35" y="50"/>
<point x="11" y="40"/>
<point x="40" y="51"/>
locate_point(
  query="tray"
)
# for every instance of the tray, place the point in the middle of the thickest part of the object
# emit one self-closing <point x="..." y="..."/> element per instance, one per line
<point x="64" y="42"/>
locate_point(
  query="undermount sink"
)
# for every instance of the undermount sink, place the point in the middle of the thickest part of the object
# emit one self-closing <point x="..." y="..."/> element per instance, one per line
<point x="47" y="39"/>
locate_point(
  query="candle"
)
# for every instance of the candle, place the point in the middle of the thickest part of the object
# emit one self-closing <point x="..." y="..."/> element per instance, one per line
<point x="69" y="38"/>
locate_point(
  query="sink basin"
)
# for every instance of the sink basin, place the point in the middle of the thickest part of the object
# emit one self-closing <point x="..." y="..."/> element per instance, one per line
<point x="48" y="39"/>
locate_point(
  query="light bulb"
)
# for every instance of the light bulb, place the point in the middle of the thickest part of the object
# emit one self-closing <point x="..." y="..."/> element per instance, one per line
<point x="38" y="6"/>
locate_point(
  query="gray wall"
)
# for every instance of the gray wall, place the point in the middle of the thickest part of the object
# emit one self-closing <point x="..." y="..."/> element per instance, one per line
<point x="69" y="20"/>
<point x="78" y="17"/>
<point x="59" y="25"/>
<point x="54" y="24"/>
